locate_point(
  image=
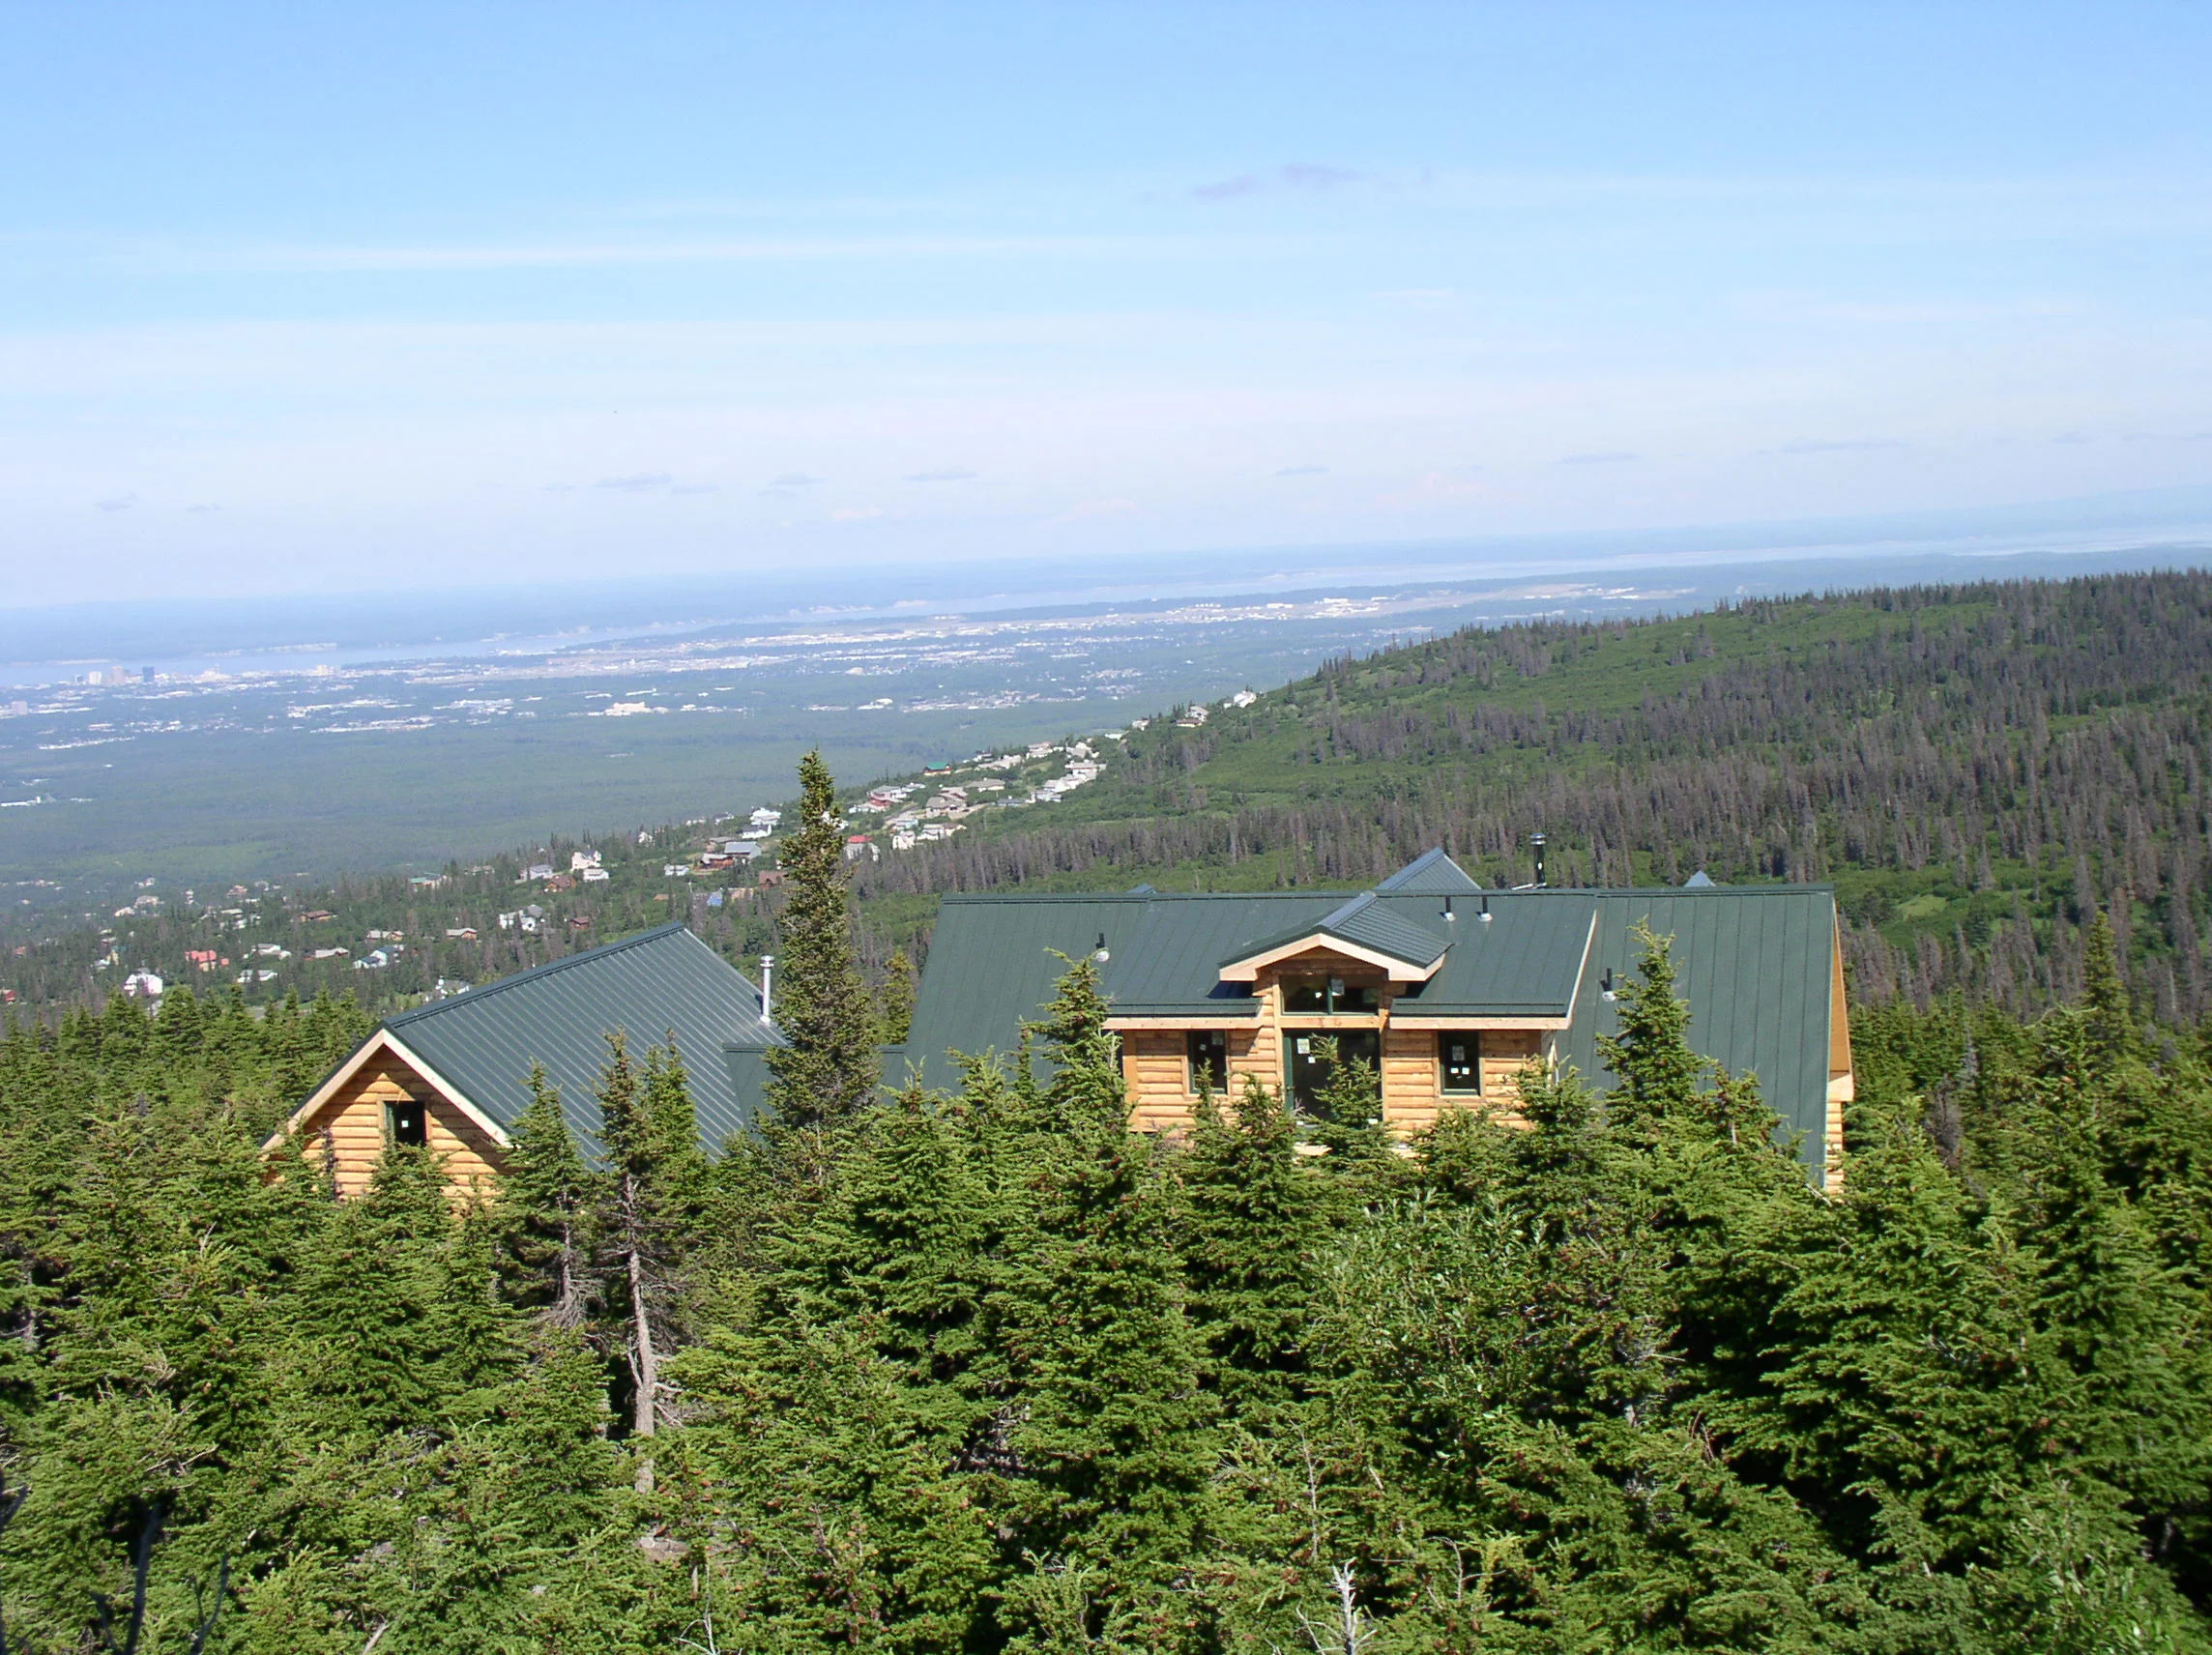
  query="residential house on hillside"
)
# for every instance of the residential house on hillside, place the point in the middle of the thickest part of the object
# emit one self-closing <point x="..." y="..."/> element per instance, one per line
<point x="455" y="1075"/>
<point x="1448" y="990"/>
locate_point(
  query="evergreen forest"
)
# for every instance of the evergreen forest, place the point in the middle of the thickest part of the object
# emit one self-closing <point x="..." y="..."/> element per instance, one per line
<point x="985" y="1371"/>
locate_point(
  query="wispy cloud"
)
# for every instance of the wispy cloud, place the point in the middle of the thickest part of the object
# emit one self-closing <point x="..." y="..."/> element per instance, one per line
<point x="1307" y="176"/>
<point x="1102" y="508"/>
<point x="1303" y="471"/>
<point x="651" y="482"/>
<point x="202" y="510"/>
<point x="118" y="502"/>
<point x="947" y="476"/>
<point x="2167" y="437"/>
<point x="308" y="259"/>
<point x="1844" y="445"/>
<point x="855" y="513"/>
<point x="1606" y="458"/>
<point x="795" y="479"/>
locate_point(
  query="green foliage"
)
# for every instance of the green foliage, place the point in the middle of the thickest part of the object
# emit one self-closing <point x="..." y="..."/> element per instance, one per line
<point x="1007" y="1376"/>
<point x="829" y="1070"/>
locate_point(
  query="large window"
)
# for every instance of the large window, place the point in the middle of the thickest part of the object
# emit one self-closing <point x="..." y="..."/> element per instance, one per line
<point x="1306" y="1070"/>
<point x="1209" y="1059"/>
<point x="1327" y="997"/>
<point x="407" y="1123"/>
<point x="1458" y="1060"/>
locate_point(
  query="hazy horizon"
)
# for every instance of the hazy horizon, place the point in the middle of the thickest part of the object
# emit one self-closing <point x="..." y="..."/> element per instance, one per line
<point x="315" y="303"/>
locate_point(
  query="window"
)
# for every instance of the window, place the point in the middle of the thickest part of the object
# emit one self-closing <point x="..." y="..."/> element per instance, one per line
<point x="1307" y="1072"/>
<point x="1209" y="1057"/>
<point x="1459" y="1059"/>
<point x="1327" y="996"/>
<point x="407" y="1123"/>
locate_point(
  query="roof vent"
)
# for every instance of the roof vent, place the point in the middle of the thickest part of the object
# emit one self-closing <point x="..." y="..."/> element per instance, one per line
<point x="1099" y="956"/>
<point x="1483" y="914"/>
<point x="767" y="984"/>
<point x="1449" y="915"/>
<point x="1605" y="985"/>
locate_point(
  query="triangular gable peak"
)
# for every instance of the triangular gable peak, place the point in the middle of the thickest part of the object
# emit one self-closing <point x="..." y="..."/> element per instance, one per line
<point x="385" y="1089"/>
<point x="1432" y="873"/>
<point x="1362" y="930"/>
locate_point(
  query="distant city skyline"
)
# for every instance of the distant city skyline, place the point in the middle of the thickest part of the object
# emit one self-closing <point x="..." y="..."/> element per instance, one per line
<point x="297" y="304"/>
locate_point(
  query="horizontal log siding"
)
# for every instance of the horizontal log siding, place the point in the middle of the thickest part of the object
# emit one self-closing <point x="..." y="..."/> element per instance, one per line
<point x="1413" y="1080"/>
<point x="1156" y="1064"/>
<point x="349" y="1130"/>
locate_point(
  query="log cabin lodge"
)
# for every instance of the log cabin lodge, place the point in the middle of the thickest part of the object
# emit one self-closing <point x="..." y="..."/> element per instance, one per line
<point x="1447" y="988"/>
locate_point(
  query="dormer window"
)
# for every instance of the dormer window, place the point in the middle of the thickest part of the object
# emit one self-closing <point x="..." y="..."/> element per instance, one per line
<point x="1327" y="996"/>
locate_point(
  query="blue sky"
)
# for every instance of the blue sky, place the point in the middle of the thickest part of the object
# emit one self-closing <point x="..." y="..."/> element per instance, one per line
<point x="320" y="298"/>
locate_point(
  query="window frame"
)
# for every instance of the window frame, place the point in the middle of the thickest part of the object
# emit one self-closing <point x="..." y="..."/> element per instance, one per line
<point x="392" y="1136"/>
<point x="1472" y="1037"/>
<point x="1216" y="1042"/>
<point x="1333" y="989"/>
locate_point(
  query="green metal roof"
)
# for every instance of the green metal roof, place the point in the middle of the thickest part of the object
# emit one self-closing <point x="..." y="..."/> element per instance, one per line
<point x="1432" y="873"/>
<point x="1755" y="963"/>
<point x="1366" y="921"/>
<point x="661" y="985"/>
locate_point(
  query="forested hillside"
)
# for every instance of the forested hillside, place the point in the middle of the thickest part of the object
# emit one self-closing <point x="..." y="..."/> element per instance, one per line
<point x="1978" y="769"/>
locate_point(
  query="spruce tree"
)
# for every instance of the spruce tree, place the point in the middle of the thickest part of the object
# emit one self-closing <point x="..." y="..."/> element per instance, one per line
<point x="898" y="997"/>
<point x="1118" y="1439"/>
<point x="1658" y="1074"/>
<point x="546" y="1202"/>
<point x="2106" y="1006"/>
<point x="1254" y="1226"/>
<point x="648" y="1223"/>
<point x="828" y="1070"/>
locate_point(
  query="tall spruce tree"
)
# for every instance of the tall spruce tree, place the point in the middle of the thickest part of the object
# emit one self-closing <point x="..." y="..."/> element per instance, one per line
<point x="1118" y="1438"/>
<point x="1256" y="1219"/>
<point x="648" y="1226"/>
<point x="547" y="1204"/>
<point x="1658" y="1075"/>
<point x="828" y="1069"/>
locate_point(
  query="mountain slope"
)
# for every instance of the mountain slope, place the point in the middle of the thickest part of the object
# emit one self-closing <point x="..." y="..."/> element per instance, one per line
<point x="1977" y="769"/>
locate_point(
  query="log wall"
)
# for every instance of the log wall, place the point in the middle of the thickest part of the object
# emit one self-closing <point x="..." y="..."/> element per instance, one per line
<point x="348" y="1131"/>
<point x="1155" y="1061"/>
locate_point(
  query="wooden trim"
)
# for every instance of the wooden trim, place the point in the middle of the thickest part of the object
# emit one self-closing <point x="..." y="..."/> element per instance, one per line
<point x="1117" y="1025"/>
<point x="328" y="1089"/>
<point x="1248" y="969"/>
<point x="1477" y="1025"/>
<point x="1843" y="1079"/>
<point x="384" y="1040"/>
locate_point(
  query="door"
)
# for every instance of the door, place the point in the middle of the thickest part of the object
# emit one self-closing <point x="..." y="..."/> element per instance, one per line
<point x="1304" y="1074"/>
